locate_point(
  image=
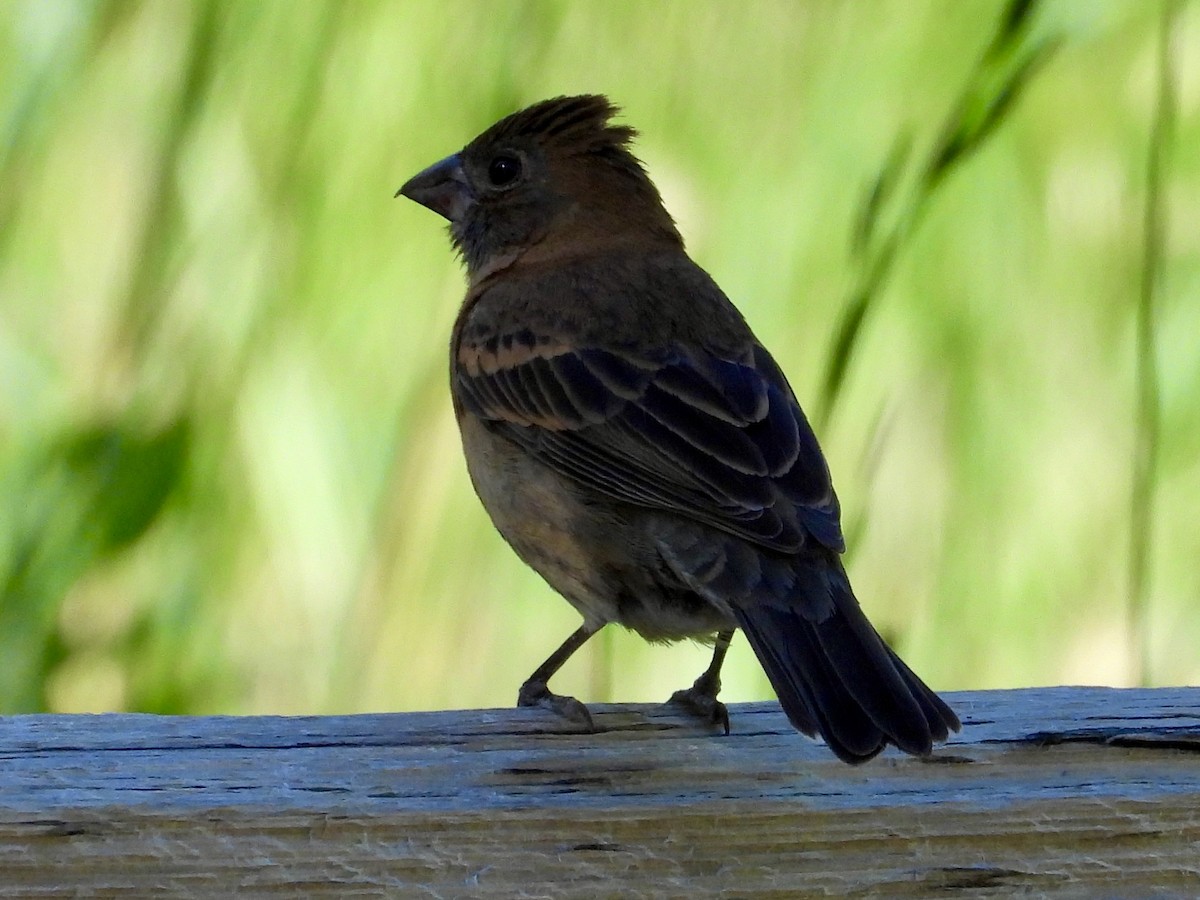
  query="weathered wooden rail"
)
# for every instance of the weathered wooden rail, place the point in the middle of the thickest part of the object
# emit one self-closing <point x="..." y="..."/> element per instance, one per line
<point x="1087" y="792"/>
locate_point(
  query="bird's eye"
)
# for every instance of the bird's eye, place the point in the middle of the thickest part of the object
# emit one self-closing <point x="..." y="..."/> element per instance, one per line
<point x="504" y="169"/>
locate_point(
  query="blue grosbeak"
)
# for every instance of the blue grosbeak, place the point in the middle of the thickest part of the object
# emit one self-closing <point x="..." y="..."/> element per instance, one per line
<point x="634" y="442"/>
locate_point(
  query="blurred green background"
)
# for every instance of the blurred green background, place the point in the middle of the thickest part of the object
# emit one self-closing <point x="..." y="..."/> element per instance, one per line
<point x="229" y="474"/>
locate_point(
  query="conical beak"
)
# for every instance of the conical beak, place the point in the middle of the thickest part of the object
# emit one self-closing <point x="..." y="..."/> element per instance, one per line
<point x="443" y="187"/>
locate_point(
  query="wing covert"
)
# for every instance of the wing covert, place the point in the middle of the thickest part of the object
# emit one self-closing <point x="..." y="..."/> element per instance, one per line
<point x="718" y="440"/>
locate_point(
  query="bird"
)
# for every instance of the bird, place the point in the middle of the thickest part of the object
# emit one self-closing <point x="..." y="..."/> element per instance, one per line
<point x="637" y="445"/>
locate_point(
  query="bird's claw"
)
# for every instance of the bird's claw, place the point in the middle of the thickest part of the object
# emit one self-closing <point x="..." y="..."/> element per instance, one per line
<point x="536" y="694"/>
<point x="700" y="701"/>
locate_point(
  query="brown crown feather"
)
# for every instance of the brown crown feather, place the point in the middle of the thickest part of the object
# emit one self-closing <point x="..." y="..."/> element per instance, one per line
<point x="580" y="123"/>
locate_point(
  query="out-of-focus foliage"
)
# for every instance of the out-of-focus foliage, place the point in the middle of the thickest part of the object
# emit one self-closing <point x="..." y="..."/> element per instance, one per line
<point x="229" y="474"/>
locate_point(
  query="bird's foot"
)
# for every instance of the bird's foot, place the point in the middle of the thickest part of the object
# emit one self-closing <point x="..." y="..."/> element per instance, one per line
<point x="700" y="700"/>
<point x="537" y="694"/>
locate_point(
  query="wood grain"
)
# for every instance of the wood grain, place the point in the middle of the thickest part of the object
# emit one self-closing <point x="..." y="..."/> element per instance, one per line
<point x="1062" y="791"/>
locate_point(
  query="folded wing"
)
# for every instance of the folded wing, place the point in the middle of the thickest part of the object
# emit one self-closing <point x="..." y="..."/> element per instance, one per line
<point x="717" y="440"/>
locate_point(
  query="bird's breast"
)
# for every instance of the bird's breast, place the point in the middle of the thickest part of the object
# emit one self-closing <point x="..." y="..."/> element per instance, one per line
<point x="602" y="557"/>
<point x="542" y="518"/>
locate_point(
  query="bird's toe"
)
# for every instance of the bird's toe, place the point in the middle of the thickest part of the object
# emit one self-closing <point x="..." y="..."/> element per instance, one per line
<point x="703" y="704"/>
<point x="535" y="694"/>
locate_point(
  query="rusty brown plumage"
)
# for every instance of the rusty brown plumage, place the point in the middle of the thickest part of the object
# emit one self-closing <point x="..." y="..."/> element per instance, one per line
<point x="635" y="443"/>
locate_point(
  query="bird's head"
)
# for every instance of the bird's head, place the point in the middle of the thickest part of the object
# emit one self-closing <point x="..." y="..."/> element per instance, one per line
<point x="552" y="177"/>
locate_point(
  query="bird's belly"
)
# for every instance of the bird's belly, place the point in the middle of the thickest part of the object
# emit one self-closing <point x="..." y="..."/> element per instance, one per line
<point x="530" y="507"/>
<point x="598" y="557"/>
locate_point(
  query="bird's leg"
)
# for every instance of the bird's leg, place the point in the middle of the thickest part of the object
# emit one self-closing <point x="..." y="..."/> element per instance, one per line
<point x="534" y="692"/>
<point x="701" y="698"/>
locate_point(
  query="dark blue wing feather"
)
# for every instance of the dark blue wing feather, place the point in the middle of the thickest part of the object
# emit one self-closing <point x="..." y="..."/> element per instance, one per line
<point x="720" y="441"/>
